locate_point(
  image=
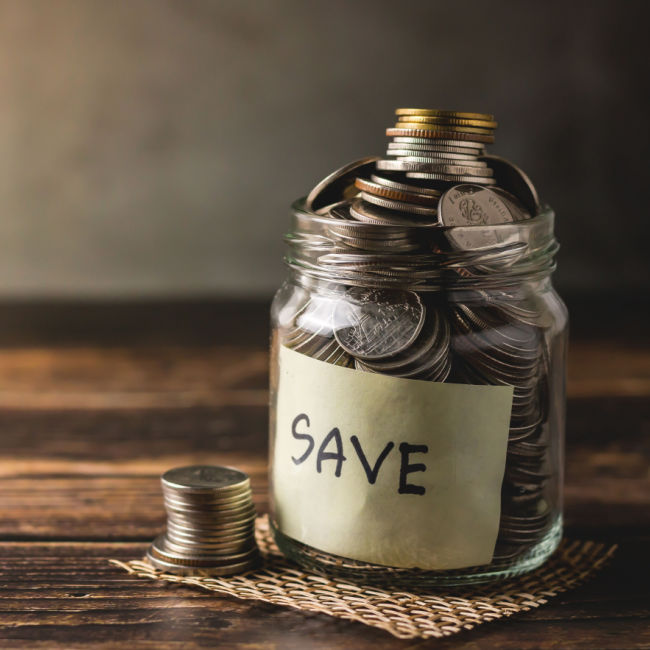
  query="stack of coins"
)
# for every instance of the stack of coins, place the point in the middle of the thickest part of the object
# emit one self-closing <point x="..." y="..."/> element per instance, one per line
<point x="442" y="146"/>
<point x="431" y="153"/>
<point x="210" y="522"/>
<point x="397" y="223"/>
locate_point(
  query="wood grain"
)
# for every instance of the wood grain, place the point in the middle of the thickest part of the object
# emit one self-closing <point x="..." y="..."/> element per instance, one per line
<point x="88" y="425"/>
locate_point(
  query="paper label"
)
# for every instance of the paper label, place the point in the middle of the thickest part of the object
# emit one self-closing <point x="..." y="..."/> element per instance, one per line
<point x="397" y="472"/>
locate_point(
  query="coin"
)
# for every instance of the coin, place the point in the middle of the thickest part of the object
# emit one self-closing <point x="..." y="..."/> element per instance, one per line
<point x="512" y="179"/>
<point x="190" y="569"/>
<point x="428" y="356"/>
<point x="416" y="132"/>
<point x="442" y="164"/>
<point x="437" y="154"/>
<point x="375" y="323"/>
<point x="210" y="521"/>
<point x="368" y="213"/>
<point x="404" y="123"/>
<point x="425" y="165"/>
<point x="438" y="113"/>
<point x="436" y="142"/>
<point x="450" y="178"/>
<point x="404" y="187"/>
<point x="453" y="121"/>
<point x="378" y="189"/>
<point x="334" y="187"/>
<point x="402" y="206"/>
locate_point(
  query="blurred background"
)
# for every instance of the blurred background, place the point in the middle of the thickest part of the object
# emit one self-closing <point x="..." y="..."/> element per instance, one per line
<point x="150" y="149"/>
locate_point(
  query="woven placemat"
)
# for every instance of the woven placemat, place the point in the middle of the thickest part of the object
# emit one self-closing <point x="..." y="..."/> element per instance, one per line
<point x="405" y="615"/>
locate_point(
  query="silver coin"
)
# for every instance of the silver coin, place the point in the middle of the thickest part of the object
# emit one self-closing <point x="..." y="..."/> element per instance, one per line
<point x="435" y="167"/>
<point x="375" y="323"/>
<point x="426" y="358"/>
<point x="465" y="152"/>
<point x="192" y="528"/>
<point x="205" y="478"/>
<point x="215" y="516"/>
<point x="336" y="185"/>
<point x="368" y="213"/>
<point x="222" y="505"/>
<point x="377" y="245"/>
<point x="229" y="547"/>
<point x="448" y="178"/>
<point x="465" y="144"/>
<point x="512" y="179"/>
<point x="404" y="187"/>
<point x="400" y="206"/>
<point x="189" y="569"/>
<point x="475" y="206"/>
<point x="441" y="162"/>
<point x="160" y="549"/>
<point x="435" y="155"/>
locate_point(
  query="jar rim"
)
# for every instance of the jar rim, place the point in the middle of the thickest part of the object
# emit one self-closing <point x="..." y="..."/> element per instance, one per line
<point x="491" y="255"/>
<point x="546" y="216"/>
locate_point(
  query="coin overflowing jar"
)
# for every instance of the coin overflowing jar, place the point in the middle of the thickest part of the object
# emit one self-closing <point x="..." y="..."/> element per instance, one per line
<point x="418" y="365"/>
<point x="210" y="522"/>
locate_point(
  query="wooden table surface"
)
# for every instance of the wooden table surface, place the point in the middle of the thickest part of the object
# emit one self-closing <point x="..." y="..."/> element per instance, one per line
<point x="97" y="401"/>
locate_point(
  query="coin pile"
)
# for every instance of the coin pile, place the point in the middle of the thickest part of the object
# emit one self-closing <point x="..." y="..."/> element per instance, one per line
<point x="500" y="342"/>
<point x="210" y="522"/>
<point x="435" y="173"/>
<point x="389" y="242"/>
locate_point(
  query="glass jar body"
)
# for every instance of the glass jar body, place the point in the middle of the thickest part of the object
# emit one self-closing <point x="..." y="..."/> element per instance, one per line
<point x="512" y="333"/>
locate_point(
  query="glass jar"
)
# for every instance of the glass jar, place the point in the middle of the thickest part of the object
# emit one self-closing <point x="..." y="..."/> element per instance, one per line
<point x="418" y="400"/>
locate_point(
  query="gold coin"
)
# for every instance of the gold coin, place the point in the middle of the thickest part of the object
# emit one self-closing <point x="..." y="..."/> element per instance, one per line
<point x="434" y="112"/>
<point x="417" y="132"/>
<point x="443" y="127"/>
<point x="454" y="121"/>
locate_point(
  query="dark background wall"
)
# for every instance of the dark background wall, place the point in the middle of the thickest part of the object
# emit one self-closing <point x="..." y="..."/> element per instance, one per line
<point x="151" y="147"/>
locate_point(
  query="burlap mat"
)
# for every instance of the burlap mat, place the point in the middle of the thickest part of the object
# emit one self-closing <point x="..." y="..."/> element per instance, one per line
<point x="403" y="614"/>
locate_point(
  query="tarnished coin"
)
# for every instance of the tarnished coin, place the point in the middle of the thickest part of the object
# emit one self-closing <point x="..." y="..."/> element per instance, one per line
<point x="339" y="184"/>
<point x="205" y="478"/>
<point x="512" y="179"/>
<point x="378" y="189"/>
<point x="376" y="323"/>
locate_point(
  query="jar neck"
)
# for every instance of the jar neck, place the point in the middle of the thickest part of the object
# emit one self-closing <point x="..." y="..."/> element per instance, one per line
<point x="430" y="259"/>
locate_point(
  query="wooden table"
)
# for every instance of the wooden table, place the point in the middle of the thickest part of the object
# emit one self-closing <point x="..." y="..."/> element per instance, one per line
<point x="97" y="401"/>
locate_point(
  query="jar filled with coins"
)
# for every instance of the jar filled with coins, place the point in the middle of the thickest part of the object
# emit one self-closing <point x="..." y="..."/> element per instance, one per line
<point x="418" y="365"/>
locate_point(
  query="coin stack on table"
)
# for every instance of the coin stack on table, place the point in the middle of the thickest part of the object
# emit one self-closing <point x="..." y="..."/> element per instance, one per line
<point x="210" y="522"/>
<point x="397" y="222"/>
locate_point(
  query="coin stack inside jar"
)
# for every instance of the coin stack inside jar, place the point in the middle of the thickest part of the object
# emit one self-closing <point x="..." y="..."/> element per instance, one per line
<point x="401" y="221"/>
<point x="210" y="522"/>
